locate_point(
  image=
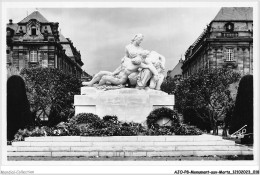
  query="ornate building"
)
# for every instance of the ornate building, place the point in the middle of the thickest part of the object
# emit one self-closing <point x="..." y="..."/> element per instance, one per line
<point x="176" y="72"/>
<point x="34" y="41"/>
<point x="226" y="42"/>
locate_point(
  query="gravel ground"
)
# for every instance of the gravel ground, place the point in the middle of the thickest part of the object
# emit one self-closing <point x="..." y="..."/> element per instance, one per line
<point x="190" y="158"/>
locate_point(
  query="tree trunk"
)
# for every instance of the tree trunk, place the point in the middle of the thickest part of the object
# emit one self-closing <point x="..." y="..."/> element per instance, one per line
<point x="215" y="129"/>
<point x="224" y="133"/>
<point x="213" y="123"/>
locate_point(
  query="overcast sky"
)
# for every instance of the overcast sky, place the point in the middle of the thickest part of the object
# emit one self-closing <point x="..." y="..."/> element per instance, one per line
<point x="101" y="34"/>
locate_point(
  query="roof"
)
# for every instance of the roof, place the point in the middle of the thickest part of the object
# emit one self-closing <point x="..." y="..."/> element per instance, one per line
<point x="68" y="50"/>
<point x="35" y="15"/>
<point x="62" y="38"/>
<point x="234" y="14"/>
<point x="66" y="46"/>
<point x="177" y="69"/>
<point x="13" y="26"/>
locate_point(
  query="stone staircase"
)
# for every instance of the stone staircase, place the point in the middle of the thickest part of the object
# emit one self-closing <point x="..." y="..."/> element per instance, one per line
<point x="126" y="146"/>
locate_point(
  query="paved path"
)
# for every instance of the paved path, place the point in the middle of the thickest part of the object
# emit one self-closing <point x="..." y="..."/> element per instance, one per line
<point x="190" y="158"/>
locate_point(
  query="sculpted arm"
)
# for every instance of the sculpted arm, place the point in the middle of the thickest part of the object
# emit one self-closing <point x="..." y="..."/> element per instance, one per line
<point x="119" y="68"/>
<point x="151" y="67"/>
<point x="127" y="52"/>
<point x="163" y="60"/>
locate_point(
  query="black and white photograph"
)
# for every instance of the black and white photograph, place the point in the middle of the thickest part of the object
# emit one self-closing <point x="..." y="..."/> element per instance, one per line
<point x="132" y="87"/>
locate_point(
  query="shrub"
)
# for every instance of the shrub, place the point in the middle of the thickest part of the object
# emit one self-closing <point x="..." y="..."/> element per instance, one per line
<point x="185" y="129"/>
<point x="19" y="115"/>
<point x="33" y="132"/>
<point x="160" y="130"/>
<point x="243" y="111"/>
<point x="21" y="134"/>
<point x="110" y="118"/>
<point x="86" y="118"/>
<point x="169" y="85"/>
<point x="38" y="132"/>
<point x="128" y="129"/>
<point x="160" y="113"/>
<point x="175" y="129"/>
<point x="100" y="127"/>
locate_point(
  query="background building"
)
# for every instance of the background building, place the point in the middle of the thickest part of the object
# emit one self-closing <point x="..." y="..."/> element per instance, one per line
<point x="35" y="41"/>
<point x="176" y="72"/>
<point x="85" y="76"/>
<point x="226" y="42"/>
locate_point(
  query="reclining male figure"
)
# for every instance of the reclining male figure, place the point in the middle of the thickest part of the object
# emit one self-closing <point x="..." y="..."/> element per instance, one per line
<point x="120" y="75"/>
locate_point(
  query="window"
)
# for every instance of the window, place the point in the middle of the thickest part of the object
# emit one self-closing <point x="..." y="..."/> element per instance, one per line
<point x="9" y="57"/>
<point x="230" y="55"/>
<point x="51" y="59"/>
<point x="45" y="30"/>
<point x="45" y="59"/>
<point x="229" y="27"/>
<point x="33" y="56"/>
<point x="8" y="33"/>
<point x="33" y="30"/>
<point x="21" y="29"/>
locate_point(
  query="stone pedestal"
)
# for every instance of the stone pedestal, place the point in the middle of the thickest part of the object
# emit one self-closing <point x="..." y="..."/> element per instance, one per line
<point x="127" y="104"/>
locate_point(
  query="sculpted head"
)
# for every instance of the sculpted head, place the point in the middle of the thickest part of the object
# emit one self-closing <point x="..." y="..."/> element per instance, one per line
<point x="138" y="38"/>
<point x="145" y="53"/>
<point x="137" y="60"/>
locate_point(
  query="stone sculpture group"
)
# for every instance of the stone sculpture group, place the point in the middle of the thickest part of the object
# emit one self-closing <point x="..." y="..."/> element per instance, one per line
<point x="139" y="66"/>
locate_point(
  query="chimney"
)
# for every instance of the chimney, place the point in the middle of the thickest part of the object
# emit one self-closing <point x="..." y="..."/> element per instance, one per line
<point x="10" y="21"/>
<point x="181" y="60"/>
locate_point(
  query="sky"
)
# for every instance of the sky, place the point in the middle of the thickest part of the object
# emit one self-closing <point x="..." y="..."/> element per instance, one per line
<point x="101" y="34"/>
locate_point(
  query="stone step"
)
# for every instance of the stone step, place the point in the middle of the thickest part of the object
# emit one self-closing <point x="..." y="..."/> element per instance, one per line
<point x="127" y="148"/>
<point x="124" y="138"/>
<point x="128" y="153"/>
<point x="120" y="143"/>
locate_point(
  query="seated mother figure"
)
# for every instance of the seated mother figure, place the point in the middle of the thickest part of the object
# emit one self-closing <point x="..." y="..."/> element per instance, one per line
<point x="140" y="79"/>
<point x="119" y="76"/>
<point x="132" y="51"/>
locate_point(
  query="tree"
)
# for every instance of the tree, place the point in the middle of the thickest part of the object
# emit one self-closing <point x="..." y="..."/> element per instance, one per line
<point x="169" y="85"/>
<point x="206" y="94"/>
<point x="51" y="93"/>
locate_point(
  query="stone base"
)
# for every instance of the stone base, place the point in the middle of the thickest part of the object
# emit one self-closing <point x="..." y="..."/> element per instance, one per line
<point x="127" y="104"/>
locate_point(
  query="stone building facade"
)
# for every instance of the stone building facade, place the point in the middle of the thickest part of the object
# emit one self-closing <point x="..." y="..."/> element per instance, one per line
<point x="34" y="42"/>
<point x="227" y="42"/>
<point x="176" y="72"/>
